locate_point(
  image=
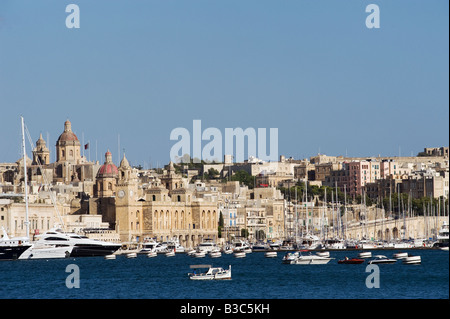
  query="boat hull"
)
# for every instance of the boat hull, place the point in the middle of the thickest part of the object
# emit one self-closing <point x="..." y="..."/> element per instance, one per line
<point x="47" y="253"/>
<point x="410" y="260"/>
<point x="351" y="261"/>
<point x="12" y="252"/>
<point x="93" y="250"/>
<point x="386" y="261"/>
<point x="312" y="260"/>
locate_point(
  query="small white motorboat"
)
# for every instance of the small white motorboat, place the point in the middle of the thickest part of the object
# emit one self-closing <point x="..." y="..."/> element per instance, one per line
<point x="365" y="254"/>
<point x="312" y="260"/>
<point x="239" y="254"/>
<point x="270" y="254"/>
<point x="323" y="254"/>
<point x="191" y="252"/>
<point x="152" y="254"/>
<point x="215" y="254"/>
<point x="380" y="259"/>
<point x="199" y="254"/>
<point x="248" y="250"/>
<point x="213" y="273"/>
<point x="290" y="258"/>
<point x="444" y="248"/>
<point x="112" y="256"/>
<point x="410" y="260"/>
<point x="170" y="253"/>
<point x="131" y="255"/>
<point x="400" y="255"/>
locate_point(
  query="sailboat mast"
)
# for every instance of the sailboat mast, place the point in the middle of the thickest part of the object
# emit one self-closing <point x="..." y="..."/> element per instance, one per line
<point x="27" y="223"/>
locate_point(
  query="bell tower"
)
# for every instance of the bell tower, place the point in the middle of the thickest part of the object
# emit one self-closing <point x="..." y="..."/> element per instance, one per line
<point x="41" y="154"/>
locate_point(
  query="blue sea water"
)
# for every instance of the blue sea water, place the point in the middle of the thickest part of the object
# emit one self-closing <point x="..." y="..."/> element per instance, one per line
<point x="253" y="277"/>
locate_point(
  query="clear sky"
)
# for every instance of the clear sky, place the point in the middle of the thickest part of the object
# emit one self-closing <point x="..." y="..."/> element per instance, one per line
<point x="138" y="69"/>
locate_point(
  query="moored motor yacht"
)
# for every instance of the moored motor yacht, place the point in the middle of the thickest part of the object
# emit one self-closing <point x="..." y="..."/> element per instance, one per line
<point x="215" y="254"/>
<point x="12" y="248"/>
<point x="207" y="245"/>
<point x="82" y="245"/>
<point x="39" y="251"/>
<point x="323" y="253"/>
<point x="312" y="260"/>
<point x="239" y="254"/>
<point x="170" y="253"/>
<point x="380" y="259"/>
<point x="290" y="258"/>
<point x="400" y="255"/>
<point x="442" y="237"/>
<point x="365" y="254"/>
<point x="270" y="254"/>
<point x="412" y="260"/>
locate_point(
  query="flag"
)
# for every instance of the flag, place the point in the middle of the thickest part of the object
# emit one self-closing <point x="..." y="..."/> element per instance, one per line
<point x="86" y="146"/>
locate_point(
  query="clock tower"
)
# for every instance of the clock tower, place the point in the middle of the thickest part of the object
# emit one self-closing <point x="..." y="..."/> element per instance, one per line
<point x="129" y="210"/>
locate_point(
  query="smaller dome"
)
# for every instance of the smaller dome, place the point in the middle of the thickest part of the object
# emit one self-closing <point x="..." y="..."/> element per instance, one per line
<point x="108" y="169"/>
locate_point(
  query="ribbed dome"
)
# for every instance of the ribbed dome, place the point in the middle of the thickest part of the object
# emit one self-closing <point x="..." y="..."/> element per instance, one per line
<point x="108" y="169"/>
<point x="67" y="135"/>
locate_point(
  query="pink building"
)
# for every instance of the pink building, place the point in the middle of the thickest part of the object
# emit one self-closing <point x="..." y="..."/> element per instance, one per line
<point x="359" y="174"/>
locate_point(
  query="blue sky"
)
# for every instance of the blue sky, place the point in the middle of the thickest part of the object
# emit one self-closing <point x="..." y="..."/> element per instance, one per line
<point x="312" y="69"/>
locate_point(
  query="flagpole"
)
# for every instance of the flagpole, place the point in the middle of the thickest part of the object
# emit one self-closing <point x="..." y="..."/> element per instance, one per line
<point x="82" y="138"/>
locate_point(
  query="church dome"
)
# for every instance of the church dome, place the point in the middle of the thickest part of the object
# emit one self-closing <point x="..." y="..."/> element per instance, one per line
<point x="108" y="169"/>
<point x="67" y="135"/>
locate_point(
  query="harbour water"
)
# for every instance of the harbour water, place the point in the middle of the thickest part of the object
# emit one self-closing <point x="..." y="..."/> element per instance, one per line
<point x="253" y="277"/>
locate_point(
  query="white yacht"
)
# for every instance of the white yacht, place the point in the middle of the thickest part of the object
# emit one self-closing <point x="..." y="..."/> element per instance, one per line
<point x="240" y="245"/>
<point x="174" y="245"/>
<point x="312" y="260"/>
<point x="12" y="248"/>
<point x="443" y="236"/>
<point x="44" y="251"/>
<point x="207" y="245"/>
<point x="82" y="246"/>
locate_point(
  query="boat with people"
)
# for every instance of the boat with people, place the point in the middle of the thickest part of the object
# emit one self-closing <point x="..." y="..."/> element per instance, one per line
<point x="212" y="273"/>
<point x="381" y="259"/>
<point x="347" y="260"/>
